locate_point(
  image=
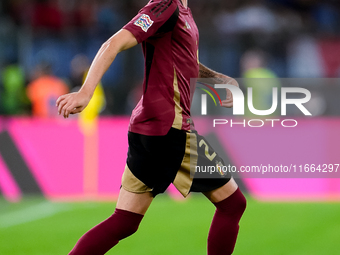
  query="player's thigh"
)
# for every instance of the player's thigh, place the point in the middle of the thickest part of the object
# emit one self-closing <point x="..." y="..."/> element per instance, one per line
<point x="223" y="192"/>
<point x="134" y="202"/>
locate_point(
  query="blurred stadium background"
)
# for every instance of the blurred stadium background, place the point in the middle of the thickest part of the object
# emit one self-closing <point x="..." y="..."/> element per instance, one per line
<point x="52" y="191"/>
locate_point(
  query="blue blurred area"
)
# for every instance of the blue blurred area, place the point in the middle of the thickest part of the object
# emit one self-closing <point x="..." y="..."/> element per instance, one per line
<point x="60" y="52"/>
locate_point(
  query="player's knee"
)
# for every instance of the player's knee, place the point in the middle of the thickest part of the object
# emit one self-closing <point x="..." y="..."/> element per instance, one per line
<point x="233" y="205"/>
<point x="127" y="223"/>
<point x="128" y="230"/>
<point x="241" y="204"/>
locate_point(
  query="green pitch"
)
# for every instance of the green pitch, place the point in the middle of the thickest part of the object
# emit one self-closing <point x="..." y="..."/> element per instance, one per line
<point x="38" y="227"/>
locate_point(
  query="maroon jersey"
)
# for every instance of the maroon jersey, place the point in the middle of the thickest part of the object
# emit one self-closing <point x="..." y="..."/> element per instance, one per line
<point x="169" y="38"/>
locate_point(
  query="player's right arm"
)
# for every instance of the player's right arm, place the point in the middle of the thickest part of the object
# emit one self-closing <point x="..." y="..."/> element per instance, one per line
<point x="76" y="102"/>
<point x="145" y="24"/>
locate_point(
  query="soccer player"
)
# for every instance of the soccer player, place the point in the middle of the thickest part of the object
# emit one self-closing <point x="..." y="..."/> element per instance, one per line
<point x="160" y="128"/>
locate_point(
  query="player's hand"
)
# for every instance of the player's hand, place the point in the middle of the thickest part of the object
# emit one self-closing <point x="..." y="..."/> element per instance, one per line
<point x="72" y="103"/>
<point x="228" y="102"/>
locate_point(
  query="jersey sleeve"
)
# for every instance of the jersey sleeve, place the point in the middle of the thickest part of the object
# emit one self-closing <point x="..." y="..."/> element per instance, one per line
<point x="150" y="18"/>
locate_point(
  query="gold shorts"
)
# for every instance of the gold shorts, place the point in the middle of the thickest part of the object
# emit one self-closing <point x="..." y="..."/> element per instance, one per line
<point x="156" y="161"/>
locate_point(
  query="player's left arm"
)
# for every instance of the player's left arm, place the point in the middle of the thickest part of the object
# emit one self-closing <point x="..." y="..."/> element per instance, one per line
<point x="218" y="78"/>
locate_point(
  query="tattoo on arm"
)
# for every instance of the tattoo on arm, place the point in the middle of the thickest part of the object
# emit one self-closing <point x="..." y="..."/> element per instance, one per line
<point x="205" y="72"/>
